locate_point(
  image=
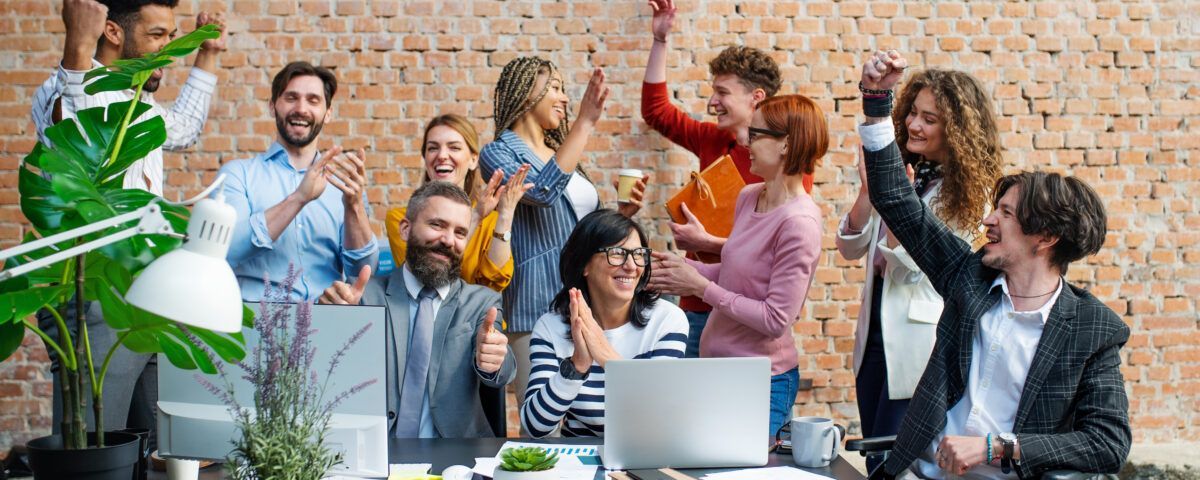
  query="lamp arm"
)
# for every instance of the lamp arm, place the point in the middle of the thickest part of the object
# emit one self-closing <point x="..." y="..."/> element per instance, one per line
<point x="202" y="195"/>
<point x="151" y="221"/>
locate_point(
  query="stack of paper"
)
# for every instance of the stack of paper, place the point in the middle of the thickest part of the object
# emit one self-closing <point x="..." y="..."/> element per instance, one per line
<point x="769" y="473"/>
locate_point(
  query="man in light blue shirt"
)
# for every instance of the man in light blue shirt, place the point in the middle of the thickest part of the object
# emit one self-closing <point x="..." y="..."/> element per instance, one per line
<point x="297" y="206"/>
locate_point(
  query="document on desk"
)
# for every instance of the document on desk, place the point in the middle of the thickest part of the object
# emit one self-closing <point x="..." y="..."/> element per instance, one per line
<point x="575" y="462"/>
<point x="769" y="473"/>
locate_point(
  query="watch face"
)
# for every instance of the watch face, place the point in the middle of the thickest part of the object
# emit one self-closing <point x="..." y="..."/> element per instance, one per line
<point x="1008" y="437"/>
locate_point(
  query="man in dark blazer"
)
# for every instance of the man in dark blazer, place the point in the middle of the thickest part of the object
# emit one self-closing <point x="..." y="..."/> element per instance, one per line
<point x="464" y="348"/>
<point x="1024" y="377"/>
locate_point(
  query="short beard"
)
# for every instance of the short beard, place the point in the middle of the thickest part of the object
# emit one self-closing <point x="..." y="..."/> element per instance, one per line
<point x="995" y="262"/>
<point x="301" y="142"/>
<point x="129" y="50"/>
<point x="431" y="272"/>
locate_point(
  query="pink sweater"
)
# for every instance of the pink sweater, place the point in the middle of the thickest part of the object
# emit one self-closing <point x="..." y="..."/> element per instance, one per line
<point x="760" y="285"/>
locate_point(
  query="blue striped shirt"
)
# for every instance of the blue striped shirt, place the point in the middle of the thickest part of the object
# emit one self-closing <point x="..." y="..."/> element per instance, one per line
<point x="541" y="225"/>
<point x="551" y="399"/>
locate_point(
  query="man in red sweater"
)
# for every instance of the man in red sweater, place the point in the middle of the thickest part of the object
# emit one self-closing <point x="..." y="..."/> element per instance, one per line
<point x="741" y="78"/>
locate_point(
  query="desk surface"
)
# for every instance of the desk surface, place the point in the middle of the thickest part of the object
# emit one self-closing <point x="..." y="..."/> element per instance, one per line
<point x="445" y="452"/>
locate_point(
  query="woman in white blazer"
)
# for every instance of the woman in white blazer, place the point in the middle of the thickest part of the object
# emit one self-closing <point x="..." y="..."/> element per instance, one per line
<point x="947" y="134"/>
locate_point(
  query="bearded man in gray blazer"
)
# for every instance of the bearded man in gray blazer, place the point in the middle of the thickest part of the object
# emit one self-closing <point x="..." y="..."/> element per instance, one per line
<point x="441" y="332"/>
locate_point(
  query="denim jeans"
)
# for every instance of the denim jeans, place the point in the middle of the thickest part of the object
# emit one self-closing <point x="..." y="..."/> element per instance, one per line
<point x="783" y="395"/>
<point x="696" y="323"/>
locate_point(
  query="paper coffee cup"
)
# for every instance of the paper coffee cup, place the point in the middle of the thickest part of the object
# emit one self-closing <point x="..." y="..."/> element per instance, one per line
<point x="628" y="178"/>
<point x="179" y="469"/>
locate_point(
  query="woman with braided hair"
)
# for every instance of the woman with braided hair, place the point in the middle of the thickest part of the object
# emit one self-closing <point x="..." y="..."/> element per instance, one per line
<point x="532" y="129"/>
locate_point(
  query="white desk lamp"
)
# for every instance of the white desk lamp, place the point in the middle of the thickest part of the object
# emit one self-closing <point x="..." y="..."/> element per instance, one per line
<point x="193" y="284"/>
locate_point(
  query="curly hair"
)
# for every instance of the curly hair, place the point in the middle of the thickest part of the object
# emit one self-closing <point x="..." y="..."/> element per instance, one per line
<point x="753" y="68"/>
<point x="974" y="162"/>
<point x="515" y="95"/>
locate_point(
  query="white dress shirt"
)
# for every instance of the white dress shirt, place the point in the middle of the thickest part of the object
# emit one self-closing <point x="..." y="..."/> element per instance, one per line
<point x="1001" y="353"/>
<point x="184" y="121"/>
<point x="414" y="288"/>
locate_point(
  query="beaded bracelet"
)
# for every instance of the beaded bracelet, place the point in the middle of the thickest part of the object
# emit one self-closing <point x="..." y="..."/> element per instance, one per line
<point x="989" y="449"/>
<point x="867" y="91"/>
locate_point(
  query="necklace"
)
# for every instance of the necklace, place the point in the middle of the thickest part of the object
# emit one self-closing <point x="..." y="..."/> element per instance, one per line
<point x="1035" y="296"/>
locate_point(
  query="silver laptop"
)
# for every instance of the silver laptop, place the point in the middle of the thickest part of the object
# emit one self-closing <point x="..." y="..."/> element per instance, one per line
<point x="686" y="413"/>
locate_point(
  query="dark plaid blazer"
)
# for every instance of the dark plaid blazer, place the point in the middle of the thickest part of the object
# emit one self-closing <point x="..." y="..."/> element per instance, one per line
<point x="1073" y="413"/>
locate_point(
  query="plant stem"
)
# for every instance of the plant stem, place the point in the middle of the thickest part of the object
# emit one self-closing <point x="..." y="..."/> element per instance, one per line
<point x="67" y="354"/>
<point x="80" y="352"/>
<point x="137" y="95"/>
<point x="66" y="380"/>
<point x="46" y="338"/>
<point x="111" y="351"/>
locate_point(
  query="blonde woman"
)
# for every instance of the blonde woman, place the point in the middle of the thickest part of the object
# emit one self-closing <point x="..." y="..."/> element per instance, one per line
<point x="450" y="149"/>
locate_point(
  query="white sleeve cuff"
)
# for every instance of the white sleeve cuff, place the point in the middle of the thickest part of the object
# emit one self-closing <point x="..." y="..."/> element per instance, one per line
<point x="876" y="136"/>
<point x="203" y="81"/>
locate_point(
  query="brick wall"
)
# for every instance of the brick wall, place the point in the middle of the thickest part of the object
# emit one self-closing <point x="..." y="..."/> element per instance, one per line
<point x="1106" y="91"/>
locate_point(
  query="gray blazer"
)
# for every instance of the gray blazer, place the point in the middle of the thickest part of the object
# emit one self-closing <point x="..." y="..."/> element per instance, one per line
<point x="453" y="379"/>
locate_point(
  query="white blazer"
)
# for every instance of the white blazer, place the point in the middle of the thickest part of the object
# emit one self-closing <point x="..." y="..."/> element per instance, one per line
<point x="910" y="310"/>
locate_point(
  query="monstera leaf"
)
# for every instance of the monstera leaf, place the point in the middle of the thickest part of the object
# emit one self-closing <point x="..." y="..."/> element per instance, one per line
<point x="131" y="73"/>
<point x="76" y="179"/>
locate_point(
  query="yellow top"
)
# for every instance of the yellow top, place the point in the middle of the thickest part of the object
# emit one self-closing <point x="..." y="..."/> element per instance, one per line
<point x="477" y="268"/>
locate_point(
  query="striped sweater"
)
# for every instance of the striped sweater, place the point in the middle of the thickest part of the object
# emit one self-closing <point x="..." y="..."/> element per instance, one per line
<point x="551" y="399"/>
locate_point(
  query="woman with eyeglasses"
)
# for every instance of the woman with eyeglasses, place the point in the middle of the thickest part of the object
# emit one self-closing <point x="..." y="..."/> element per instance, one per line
<point x="767" y="264"/>
<point x="603" y="312"/>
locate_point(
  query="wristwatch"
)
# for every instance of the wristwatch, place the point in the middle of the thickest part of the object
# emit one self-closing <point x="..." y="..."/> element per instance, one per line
<point x="503" y="237"/>
<point x="1009" y="442"/>
<point x="566" y="368"/>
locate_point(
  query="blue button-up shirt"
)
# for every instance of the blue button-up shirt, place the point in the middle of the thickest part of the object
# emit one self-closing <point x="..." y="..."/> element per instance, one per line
<point x="312" y="242"/>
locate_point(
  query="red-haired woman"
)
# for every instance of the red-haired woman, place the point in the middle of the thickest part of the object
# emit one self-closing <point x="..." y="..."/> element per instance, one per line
<point x="767" y="265"/>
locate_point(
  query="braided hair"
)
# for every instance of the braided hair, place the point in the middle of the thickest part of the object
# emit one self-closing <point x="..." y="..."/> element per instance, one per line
<point x="515" y="95"/>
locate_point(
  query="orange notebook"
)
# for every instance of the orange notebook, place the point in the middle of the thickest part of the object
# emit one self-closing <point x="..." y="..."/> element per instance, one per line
<point x="711" y="196"/>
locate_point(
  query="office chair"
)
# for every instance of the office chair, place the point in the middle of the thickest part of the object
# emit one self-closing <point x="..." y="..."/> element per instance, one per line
<point x="492" y="400"/>
<point x="880" y="446"/>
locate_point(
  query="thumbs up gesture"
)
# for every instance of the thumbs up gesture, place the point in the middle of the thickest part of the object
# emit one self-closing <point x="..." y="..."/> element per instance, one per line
<point x="491" y="346"/>
<point x="342" y="293"/>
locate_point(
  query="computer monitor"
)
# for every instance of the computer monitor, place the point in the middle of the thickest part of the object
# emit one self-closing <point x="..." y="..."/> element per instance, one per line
<point x="686" y="413"/>
<point x="192" y="423"/>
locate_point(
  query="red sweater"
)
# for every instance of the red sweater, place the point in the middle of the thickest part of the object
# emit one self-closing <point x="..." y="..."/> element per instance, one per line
<point x="701" y="138"/>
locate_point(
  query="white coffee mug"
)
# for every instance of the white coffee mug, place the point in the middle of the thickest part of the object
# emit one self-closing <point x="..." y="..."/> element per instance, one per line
<point x="815" y="441"/>
<point x="179" y="469"/>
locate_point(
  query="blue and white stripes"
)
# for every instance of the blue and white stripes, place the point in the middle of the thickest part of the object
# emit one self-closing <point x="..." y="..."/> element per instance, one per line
<point x="578" y="405"/>
<point x="541" y="225"/>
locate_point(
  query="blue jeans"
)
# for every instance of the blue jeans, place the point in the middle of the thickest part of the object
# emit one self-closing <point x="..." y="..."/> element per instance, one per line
<point x="783" y="395"/>
<point x="696" y="323"/>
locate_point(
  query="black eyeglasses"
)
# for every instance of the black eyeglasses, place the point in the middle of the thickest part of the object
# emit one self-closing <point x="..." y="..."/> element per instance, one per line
<point x="756" y="132"/>
<point x="617" y="256"/>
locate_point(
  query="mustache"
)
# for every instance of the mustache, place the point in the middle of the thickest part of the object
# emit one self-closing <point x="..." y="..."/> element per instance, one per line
<point x="300" y="116"/>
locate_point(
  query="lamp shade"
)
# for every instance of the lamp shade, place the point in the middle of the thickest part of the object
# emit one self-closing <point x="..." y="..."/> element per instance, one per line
<point x="194" y="284"/>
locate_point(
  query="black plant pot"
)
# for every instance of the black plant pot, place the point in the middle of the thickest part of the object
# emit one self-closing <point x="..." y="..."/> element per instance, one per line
<point x="116" y="461"/>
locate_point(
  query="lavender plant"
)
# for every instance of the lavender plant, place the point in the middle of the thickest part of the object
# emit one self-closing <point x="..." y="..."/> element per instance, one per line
<point x="283" y="436"/>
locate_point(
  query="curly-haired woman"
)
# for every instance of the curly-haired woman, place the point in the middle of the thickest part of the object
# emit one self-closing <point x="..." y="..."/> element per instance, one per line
<point x="532" y="129"/>
<point x="947" y="134"/>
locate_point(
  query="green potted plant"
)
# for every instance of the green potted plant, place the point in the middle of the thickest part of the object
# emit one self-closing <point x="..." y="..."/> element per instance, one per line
<point x="526" y="463"/>
<point x="282" y="435"/>
<point x="77" y="182"/>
